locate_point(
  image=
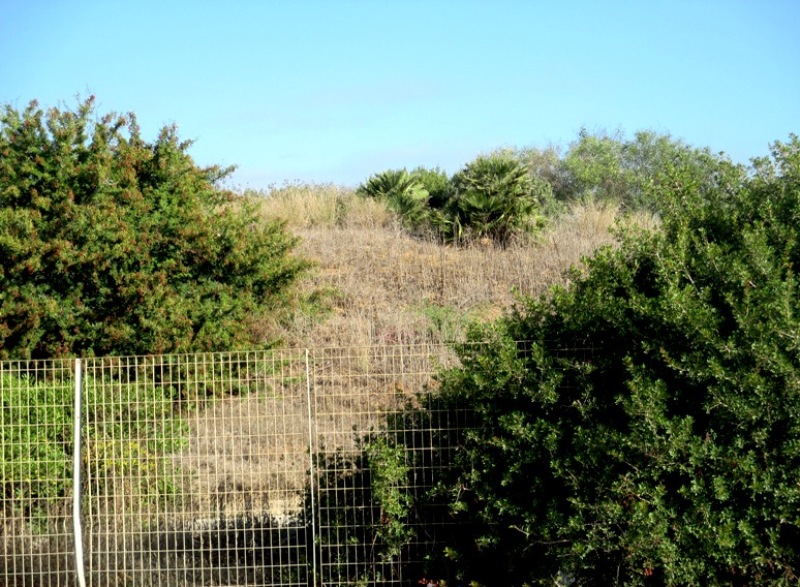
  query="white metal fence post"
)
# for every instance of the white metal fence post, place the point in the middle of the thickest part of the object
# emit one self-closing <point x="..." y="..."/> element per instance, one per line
<point x="311" y="482"/>
<point x="76" y="477"/>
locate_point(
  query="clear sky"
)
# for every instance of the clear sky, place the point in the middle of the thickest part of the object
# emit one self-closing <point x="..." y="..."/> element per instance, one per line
<point x="332" y="91"/>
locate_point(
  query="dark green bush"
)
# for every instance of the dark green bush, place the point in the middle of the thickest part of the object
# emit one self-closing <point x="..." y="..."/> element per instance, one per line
<point x="495" y="198"/>
<point x="113" y="245"/>
<point x="377" y="509"/>
<point x="646" y="431"/>
<point x="363" y="513"/>
<point x="437" y="183"/>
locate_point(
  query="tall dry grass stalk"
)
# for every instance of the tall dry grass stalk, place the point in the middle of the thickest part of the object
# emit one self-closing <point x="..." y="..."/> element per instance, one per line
<point x="390" y="287"/>
<point x="303" y="206"/>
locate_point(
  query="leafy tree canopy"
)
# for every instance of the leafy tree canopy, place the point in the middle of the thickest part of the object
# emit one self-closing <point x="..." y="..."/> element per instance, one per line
<point x="110" y="244"/>
<point x="610" y="167"/>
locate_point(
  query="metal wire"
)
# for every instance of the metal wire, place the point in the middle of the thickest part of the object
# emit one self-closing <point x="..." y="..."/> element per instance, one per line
<point x="36" y="404"/>
<point x="240" y="468"/>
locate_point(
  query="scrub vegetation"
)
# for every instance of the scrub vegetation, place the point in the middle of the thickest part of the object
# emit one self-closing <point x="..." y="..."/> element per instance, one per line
<point x="630" y="415"/>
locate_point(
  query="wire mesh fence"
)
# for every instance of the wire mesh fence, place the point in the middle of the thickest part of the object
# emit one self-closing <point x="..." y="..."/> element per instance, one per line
<point x="35" y="441"/>
<point x="275" y="467"/>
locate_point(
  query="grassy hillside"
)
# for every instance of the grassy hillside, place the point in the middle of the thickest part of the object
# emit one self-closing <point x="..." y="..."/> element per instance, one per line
<point x="385" y="286"/>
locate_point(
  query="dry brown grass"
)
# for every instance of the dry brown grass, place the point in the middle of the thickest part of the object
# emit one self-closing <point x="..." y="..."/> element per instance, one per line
<point x="308" y="206"/>
<point x="390" y="287"/>
<point x="390" y="291"/>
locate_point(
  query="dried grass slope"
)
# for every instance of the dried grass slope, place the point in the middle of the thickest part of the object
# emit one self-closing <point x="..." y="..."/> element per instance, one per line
<point x="387" y="286"/>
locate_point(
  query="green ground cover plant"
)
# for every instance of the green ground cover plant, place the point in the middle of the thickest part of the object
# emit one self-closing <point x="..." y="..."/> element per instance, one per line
<point x="35" y="433"/>
<point x="128" y="429"/>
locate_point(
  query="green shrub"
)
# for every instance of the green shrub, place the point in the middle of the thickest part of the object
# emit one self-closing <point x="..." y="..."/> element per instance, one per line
<point x="382" y="516"/>
<point x="113" y="245"/>
<point x="545" y="166"/>
<point x="35" y="440"/>
<point x="495" y="198"/>
<point x="364" y="510"/>
<point x="438" y="185"/>
<point x="641" y="427"/>
<point x="627" y="171"/>
<point x="403" y="193"/>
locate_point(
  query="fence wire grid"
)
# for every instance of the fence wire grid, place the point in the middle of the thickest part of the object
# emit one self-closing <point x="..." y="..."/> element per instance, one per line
<point x="240" y="468"/>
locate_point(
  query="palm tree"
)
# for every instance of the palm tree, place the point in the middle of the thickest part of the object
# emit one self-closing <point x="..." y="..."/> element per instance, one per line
<point x="495" y="198"/>
<point x="403" y="192"/>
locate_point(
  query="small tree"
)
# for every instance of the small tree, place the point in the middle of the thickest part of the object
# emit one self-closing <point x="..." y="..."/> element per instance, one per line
<point x="113" y="245"/>
<point x="612" y="168"/>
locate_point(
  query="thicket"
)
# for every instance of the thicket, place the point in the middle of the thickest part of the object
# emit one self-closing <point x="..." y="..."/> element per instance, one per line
<point x="510" y="193"/>
<point x="110" y="244"/>
<point x="493" y="197"/>
<point x="637" y="428"/>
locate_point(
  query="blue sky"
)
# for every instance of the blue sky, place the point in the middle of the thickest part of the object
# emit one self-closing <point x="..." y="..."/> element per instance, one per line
<point x="332" y="91"/>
